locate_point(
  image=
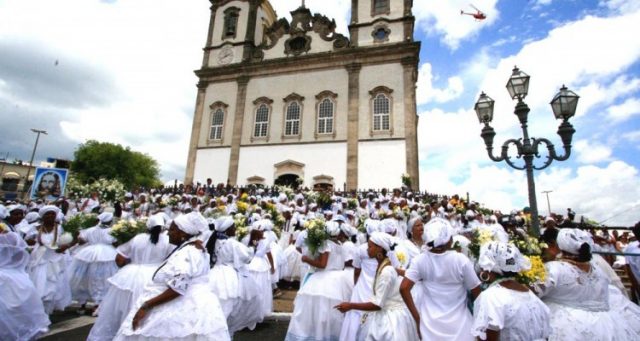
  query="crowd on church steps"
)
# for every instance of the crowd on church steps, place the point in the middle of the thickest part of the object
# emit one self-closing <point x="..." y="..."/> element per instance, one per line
<point x="161" y="265"/>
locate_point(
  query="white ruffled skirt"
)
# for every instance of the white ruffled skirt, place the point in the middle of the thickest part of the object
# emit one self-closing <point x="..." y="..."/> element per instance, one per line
<point x="124" y="289"/>
<point x="314" y="316"/>
<point x="294" y="260"/>
<point x="237" y="294"/>
<point x="260" y="273"/>
<point x="196" y="315"/>
<point x="22" y="315"/>
<point x="388" y="324"/>
<point x="51" y="280"/>
<point x="572" y="324"/>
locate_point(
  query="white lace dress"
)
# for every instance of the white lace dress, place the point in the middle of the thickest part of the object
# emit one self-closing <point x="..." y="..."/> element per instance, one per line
<point x="393" y="321"/>
<point x="517" y="315"/>
<point x="445" y="279"/>
<point x="194" y="315"/>
<point x="314" y="316"/>
<point x="128" y="283"/>
<point x="93" y="265"/>
<point x="48" y="271"/>
<point x="22" y="315"/>
<point x="580" y="305"/>
<point x="362" y="291"/>
<point x="236" y="289"/>
<point x="260" y="272"/>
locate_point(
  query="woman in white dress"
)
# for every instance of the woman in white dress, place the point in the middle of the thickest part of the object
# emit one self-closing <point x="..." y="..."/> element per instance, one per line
<point x="48" y="265"/>
<point x="446" y="276"/>
<point x="140" y="257"/>
<point x="21" y="310"/>
<point x="364" y="272"/>
<point x="229" y="278"/>
<point x="177" y="304"/>
<point x="94" y="263"/>
<point x="507" y="310"/>
<point x="386" y="317"/>
<point x="261" y="267"/>
<point x="577" y="293"/>
<point x="326" y="286"/>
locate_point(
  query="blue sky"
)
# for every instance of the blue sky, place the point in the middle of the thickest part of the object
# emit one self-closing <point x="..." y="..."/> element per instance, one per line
<point x="125" y="75"/>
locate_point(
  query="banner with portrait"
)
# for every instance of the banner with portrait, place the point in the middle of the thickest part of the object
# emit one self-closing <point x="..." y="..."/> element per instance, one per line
<point x="48" y="183"/>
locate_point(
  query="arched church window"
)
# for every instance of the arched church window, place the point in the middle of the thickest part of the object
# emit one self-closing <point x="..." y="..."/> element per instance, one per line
<point x="262" y="121"/>
<point x="217" y="123"/>
<point x="292" y="119"/>
<point x="381" y="113"/>
<point x="325" y="116"/>
<point x="230" y="28"/>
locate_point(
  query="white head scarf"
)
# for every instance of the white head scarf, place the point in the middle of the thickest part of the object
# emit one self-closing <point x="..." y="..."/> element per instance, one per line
<point x="389" y="226"/>
<point x="570" y="240"/>
<point x="332" y="228"/>
<point x="437" y="231"/>
<point x="501" y="257"/>
<point x="383" y="240"/>
<point x="372" y="226"/>
<point x="105" y="217"/>
<point x="48" y="208"/>
<point x="3" y="212"/>
<point x="223" y="223"/>
<point x="412" y="222"/>
<point x="32" y="217"/>
<point x="348" y="230"/>
<point x="192" y="223"/>
<point x="155" y="220"/>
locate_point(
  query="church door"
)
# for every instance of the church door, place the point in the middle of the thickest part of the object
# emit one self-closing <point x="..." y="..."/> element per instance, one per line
<point x="290" y="180"/>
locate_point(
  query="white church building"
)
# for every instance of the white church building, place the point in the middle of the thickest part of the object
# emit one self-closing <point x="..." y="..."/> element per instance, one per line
<point x="282" y="101"/>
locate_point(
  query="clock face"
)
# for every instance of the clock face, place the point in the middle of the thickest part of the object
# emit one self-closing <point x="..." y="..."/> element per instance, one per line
<point x="225" y="56"/>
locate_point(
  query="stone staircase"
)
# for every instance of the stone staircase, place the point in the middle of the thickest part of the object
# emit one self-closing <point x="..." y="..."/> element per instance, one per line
<point x="622" y="273"/>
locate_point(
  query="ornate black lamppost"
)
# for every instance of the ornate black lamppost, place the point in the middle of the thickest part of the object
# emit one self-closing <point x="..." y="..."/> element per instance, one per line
<point x="564" y="107"/>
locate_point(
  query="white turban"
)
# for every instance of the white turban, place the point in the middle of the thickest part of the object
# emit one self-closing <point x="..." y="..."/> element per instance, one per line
<point x="192" y="223"/>
<point x="437" y="231"/>
<point x="332" y="228"/>
<point x="348" y="230"/>
<point x="282" y="197"/>
<point x="372" y="226"/>
<point x="412" y="222"/>
<point x="501" y="257"/>
<point x="12" y="208"/>
<point x="389" y="226"/>
<point x="155" y="220"/>
<point x="48" y="208"/>
<point x="32" y="217"/>
<point x="3" y="212"/>
<point x="570" y="240"/>
<point x="383" y="240"/>
<point x="223" y="223"/>
<point x="257" y="226"/>
<point x="105" y="217"/>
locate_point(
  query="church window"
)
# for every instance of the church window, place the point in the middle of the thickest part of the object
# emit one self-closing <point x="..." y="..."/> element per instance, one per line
<point x="217" y="122"/>
<point x="380" y="7"/>
<point x="292" y="119"/>
<point x="381" y="33"/>
<point x="381" y="113"/>
<point x="262" y="121"/>
<point x="325" y="117"/>
<point x="230" y="28"/>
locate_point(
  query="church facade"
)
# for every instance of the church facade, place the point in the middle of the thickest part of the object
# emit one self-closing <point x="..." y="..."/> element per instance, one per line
<point x="282" y="101"/>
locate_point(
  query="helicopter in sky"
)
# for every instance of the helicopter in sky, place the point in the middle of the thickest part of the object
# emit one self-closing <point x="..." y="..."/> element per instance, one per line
<point x="479" y="15"/>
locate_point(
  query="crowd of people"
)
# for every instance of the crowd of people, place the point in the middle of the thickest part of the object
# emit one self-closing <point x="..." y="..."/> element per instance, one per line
<point x="372" y="265"/>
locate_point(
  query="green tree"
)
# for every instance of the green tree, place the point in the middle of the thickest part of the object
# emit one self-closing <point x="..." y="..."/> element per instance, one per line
<point x="94" y="160"/>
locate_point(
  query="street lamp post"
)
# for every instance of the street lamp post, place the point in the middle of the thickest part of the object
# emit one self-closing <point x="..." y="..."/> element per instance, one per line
<point x="563" y="105"/>
<point x="35" y="146"/>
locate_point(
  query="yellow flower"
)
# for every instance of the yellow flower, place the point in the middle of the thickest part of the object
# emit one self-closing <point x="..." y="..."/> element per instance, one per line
<point x="3" y="228"/>
<point x="537" y="273"/>
<point x="402" y="258"/>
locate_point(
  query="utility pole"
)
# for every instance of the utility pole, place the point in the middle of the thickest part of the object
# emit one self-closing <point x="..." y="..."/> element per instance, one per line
<point x="548" y="204"/>
<point x="35" y="146"/>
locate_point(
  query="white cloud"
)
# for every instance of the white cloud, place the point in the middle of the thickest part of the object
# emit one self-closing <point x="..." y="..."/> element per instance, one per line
<point x="443" y="18"/>
<point x="621" y="6"/>
<point x="624" y="111"/>
<point x="426" y="92"/>
<point x="633" y="136"/>
<point x="591" y="152"/>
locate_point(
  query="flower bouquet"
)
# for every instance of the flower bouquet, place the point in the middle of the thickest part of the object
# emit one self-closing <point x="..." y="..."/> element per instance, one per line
<point x="125" y="230"/>
<point x="79" y="222"/>
<point x="531" y="248"/>
<point x="242" y="207"/>
<point x="316" y="235"/>
<point x="479" y="238"/>
<point x="352" y="204"/>
<point x="536" y="274"/>
<point x="241" y="232"/>
<point x="406" y="180"/>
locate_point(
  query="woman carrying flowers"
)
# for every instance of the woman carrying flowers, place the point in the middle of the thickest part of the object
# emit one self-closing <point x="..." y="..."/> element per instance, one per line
<point x="507" y="310"/>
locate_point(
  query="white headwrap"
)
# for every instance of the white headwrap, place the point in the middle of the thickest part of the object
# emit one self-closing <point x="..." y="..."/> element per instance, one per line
<point x="257" y="226"/>
<point x="12" y="208"/>
<point x="32" y="217"/>
<point x="348" y="230"/>
<point x="372" y="226"/>
<point x="332" y="228"/>
<point x="3" y="212"/>
<point x="223" y="223"/>
<point x="105" y="217"/>
<point x="437" y="231"/>
<point x="412" y="222"/>
<point x="389" y="226"/>
<point x="155" y="220"/>
<point x="192" y="223"/>
<point x="570" y="240"/>
<point x="383" y="240"/>
<point x="48" y="208"/>
<point x="501" y="257"/>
